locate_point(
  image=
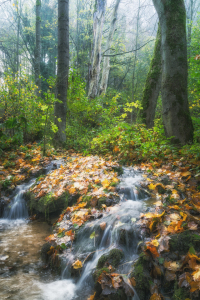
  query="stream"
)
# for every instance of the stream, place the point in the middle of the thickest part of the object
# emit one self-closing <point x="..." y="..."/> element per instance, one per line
<point x="22" y="273"/>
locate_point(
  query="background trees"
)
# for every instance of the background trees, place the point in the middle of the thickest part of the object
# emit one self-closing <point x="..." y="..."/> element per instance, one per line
<point x="121" y="61"/>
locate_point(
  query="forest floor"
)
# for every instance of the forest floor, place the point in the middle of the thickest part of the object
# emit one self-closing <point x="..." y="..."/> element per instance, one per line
<point x="171" y="252"/>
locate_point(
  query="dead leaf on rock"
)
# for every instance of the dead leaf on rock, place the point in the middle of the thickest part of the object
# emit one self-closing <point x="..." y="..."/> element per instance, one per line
<point x="77" y="264"/>
<point x="170" y="276"/>
<point x="103" y="225"/>
<point x="164" y="243"/>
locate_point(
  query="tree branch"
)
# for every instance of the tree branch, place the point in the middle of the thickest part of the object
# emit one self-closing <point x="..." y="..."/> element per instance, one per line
<point x="122" y="53"/>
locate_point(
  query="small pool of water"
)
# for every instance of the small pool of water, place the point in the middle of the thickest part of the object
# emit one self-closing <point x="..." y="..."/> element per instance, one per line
<point x="20" y="264"/>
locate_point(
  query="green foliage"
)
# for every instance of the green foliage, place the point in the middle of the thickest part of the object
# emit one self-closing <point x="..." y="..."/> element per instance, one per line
<point x="133" y="142"/>
<point x="20" y="117"/>
<point x="24" y="117"/>
<point x="194" y="71"/>
<point x="87" y="117"/>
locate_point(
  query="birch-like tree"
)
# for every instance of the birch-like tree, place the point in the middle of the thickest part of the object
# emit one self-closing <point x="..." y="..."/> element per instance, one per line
<point x="106" y="61"/>
<point x="94" y="72"/>
<point x="38" y="45"/>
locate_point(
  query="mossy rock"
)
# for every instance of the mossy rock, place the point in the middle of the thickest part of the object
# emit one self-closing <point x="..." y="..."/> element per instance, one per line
<point x="180" y="293"/>
<point x="127" y="236"/>
<point x="46" y="204"/>
<point x="115" y="295"/>
<point x="118" y="170"/>
<point x="113" y="258"/>
<point x="142" y="276"/>
<point x="108" y="201"/>
<point x="183" y="241"/>
<point x="44" y="252"/>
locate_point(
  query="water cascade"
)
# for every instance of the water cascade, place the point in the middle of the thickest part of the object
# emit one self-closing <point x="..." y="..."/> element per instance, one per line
<point x="121" y="232"/>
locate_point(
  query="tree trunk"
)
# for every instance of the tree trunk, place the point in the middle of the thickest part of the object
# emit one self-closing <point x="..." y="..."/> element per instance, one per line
<point x="176" y="115"/>
<point x="38" y="45"/>
<point x="135" y="58"/>
<point x="152" y="85"/>
<point x="60" y="109"/>
<point x="190" y="20"/>
<point x="94" y="73"/>
<point x="106" y="62"/>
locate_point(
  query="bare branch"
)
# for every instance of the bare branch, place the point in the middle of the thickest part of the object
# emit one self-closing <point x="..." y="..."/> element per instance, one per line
<point x="122" y="53"/>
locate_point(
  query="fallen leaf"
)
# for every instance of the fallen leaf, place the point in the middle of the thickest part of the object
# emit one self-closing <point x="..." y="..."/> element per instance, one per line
<point x="77" y="264"/>
<point x="103" y="225"/>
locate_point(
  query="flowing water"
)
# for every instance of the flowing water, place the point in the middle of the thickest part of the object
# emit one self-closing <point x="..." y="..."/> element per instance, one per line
<point x="21" y="273"/>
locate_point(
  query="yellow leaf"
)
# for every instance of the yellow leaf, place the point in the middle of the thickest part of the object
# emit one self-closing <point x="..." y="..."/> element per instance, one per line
<point x="183" y="215"/>
<point x="72" y="190"/>
<point x="77" y="264"/>
<point x="152" y="186"/>
<point x="155" y="243"/>
<point x="105" y="183"/>
<point x="196" y="275"/>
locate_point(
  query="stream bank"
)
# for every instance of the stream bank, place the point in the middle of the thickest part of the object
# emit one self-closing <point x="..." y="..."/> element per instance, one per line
<point x="91" y="239"/>
<point x="104" y="217"/>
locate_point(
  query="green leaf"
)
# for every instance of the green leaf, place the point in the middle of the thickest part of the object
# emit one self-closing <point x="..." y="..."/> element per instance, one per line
<point x="62" y="234"/>
<point x="192" y="251"/>
<point x="76" y="226"/>
<point x="63" y="246"/>
<point x="92" y="235"/>
<point x="133" y="220"/>
<point x="161" y="260"/>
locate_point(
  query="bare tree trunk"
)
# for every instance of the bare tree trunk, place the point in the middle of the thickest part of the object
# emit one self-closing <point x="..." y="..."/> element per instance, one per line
<point x="38" y="45"/>
<point x="176" y="115"/>
<point x="60" y="109"/>
<point x="135" y="58"/>
<point x="152" y="85"/>
<point x="18" y="29"/>
<point x="106" y="62"/>
<point x="94" y="73"/>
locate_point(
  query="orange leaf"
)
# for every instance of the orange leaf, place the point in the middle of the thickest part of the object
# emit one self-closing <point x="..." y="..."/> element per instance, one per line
<point x="69" y="233"/>
<point x="133" y="282"/>
<point x="153" y="251"/>
<point x="91" y="297"/>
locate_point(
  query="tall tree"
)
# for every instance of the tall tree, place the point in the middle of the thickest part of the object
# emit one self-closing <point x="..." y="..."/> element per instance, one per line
<point x="60" y="110"/>
<point x="106" y="61"/>
<point x="152" y="85"/>
<point x="176" y="115"/>
<point x="98" y="21"/>
<point x="38" y="45"/>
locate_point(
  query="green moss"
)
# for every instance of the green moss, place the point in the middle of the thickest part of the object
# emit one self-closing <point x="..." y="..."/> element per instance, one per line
<point x="47" y="204"/>
<point x="183" y="241"/>
<point x="153" y="76"/>
<point x="176" y="18"/>
<point x="87" y="199"/>
<point x="142" y="277"/>
<point x="113" y="258"/>
<point x="101" y="201"/>
<point x="180" y="293"/>
<point x="98" y="272"/>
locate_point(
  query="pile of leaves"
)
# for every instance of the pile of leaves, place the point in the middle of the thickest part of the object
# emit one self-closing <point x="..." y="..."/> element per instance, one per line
<point x="18" y="165"/>
<point x="92" y="178"/>
<point x="172" y="229"/>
